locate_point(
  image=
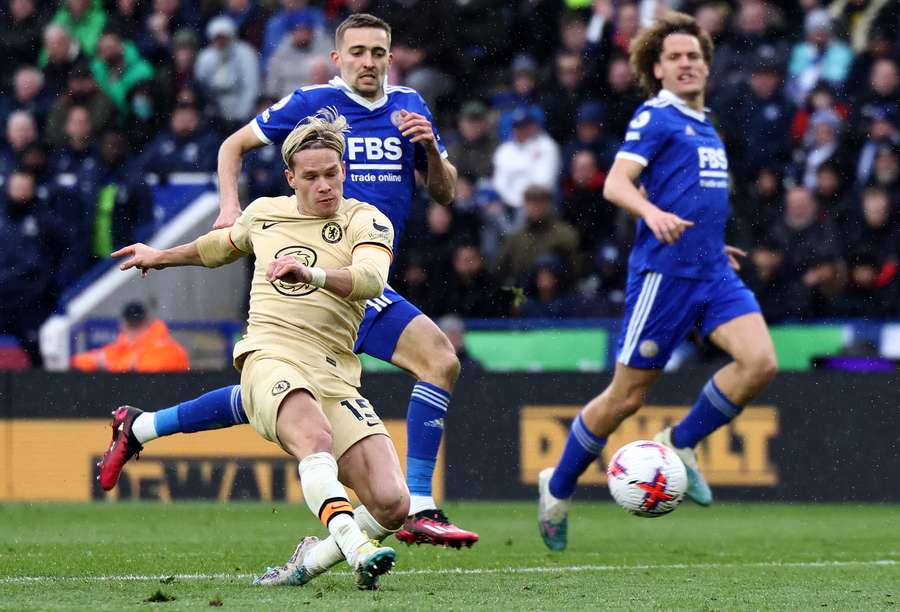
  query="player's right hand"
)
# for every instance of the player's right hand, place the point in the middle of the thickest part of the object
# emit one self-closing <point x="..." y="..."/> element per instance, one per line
<point x="667" y="227"/>
<point x="140" y="256"/>
<point x="289" y="270"/>
<point x="227" y="217"/>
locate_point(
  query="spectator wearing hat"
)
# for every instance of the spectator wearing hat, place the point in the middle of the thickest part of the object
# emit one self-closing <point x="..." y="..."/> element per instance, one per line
<point x="277" y="27"/>
<point x="291" y="64"/>
<point x="882" y="135"/>
<point x="756" y="119"/>
<point x="61" y="54"/>
<point x="184" y="57"/>
<point x="82" y="91"/>
<point x="590" y="134"/>
<point x="543" y="233"/>
<point x="820" y="144"/>
<point x="522" y="93"/>
<point x="143" y="345"/>
<point x="118" y="67"/>
<point x="227" y="71"/>
<point x="886" y="171"/>
<point x="821" y="56"/>
<point x="472" y="149"/>
<point x="531" y="157"/>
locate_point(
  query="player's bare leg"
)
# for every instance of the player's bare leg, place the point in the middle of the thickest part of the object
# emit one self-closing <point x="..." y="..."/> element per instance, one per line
<point x="425" y="352"/>
<point x="599" y="418"/>
<point x="371" y="468"/>
<point x="304" y="431"/>
<point x="746" y="338"/>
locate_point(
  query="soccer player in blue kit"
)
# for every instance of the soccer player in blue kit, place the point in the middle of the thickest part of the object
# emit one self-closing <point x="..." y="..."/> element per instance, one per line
<point x="681" y="274"/>
<point x="391" y="138"/>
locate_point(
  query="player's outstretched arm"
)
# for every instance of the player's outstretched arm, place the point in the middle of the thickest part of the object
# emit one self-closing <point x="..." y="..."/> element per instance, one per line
<point x="621" y="189"/>
<point x="230" y="161"/>
<point x="146" y="258"/>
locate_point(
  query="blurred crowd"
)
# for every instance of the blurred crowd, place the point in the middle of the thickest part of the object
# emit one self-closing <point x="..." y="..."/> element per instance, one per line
<point x="101" y="100"/>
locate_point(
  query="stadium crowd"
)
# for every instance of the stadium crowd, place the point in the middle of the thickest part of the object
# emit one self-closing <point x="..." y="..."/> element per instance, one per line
<point x="532" y="99"/>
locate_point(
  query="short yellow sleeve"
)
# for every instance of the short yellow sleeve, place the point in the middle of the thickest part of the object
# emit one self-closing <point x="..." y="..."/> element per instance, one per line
<point x="223" y="246"/>
<point x="371" y="228"/>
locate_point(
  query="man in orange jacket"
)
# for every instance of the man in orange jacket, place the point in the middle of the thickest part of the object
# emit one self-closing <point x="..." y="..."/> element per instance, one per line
<point x="142" y="346"/>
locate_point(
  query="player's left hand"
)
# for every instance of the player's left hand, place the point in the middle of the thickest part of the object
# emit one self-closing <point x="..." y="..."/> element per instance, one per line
<point x="289" y="270"/>
<point x="140" y="256"/>
<point x="417" y="128"/>
<point x="733" y="253"/>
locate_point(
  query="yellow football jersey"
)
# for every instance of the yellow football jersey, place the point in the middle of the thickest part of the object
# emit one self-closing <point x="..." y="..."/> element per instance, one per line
<point x="301" y="322"/>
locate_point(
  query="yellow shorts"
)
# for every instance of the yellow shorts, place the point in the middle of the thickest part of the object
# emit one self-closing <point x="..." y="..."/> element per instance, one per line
<point x="267" y="379"/>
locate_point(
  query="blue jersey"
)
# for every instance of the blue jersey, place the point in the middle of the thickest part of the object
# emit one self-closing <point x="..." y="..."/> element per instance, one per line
<point x="381" y="163"/>
<point x="685" y="173"/>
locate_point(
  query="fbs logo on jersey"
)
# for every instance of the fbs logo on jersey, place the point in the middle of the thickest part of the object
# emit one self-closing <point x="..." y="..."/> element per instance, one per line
<point x="332" y="232"/>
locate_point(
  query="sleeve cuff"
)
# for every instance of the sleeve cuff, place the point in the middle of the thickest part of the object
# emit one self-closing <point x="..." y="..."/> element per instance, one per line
<point x="259" y="133"/>
<point x="633" y="157"/>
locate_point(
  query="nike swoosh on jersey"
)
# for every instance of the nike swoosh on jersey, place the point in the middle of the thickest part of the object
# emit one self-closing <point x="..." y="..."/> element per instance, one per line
<point x="268" y="224"/>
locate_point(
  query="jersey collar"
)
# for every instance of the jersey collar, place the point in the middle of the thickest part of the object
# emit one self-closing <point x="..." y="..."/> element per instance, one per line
<point x="668" y="96"/>
<point x="339" y="83"/>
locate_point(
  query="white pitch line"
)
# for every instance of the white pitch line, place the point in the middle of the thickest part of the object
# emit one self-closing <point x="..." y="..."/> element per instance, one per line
<point x="477" y="571"/>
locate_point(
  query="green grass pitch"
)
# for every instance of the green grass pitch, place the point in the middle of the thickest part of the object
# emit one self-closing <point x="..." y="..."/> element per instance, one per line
<point x="730" y="556"/>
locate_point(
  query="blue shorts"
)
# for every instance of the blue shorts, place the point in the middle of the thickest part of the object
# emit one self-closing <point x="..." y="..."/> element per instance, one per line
<point x="385" y="319"/>
<point x="660" y="311"/>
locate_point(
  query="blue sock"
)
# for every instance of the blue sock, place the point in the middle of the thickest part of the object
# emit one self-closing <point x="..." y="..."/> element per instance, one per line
<point x="424" y="428"/>
<point x="213" y="410"/>
<point x="582" y="449"/>
<point x="711" y="411"/>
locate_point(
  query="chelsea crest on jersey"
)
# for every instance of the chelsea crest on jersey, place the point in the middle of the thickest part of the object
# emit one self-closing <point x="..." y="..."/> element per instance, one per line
<point x="381" y="163"/>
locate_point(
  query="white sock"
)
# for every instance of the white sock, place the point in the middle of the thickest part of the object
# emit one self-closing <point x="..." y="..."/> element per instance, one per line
<point x="327" y="499"/>
<point x="144" y="427"/>
<point x="417" y="503"/>
<point x="327" y="554"/>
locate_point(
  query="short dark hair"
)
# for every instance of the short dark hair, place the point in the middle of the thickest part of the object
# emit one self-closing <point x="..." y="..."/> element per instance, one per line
<point x="360" y="20"/>
<point x="647" y="47"/>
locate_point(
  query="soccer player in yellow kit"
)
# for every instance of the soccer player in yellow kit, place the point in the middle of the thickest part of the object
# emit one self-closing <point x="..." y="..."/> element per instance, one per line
<point x="319" y="257"/>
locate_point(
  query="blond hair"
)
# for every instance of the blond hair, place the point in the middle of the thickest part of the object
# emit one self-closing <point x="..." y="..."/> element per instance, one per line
<point x="324" y="130"/>
<point x="647" y="47"/>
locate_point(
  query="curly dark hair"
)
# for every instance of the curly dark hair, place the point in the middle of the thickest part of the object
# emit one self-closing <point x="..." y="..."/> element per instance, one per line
<point x="647" y="47"/>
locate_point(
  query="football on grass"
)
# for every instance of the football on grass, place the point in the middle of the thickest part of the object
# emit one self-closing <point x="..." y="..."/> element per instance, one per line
<point x="647" y="478"/>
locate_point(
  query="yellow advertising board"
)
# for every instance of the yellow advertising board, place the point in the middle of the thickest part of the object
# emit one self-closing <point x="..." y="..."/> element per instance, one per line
<point x="736" y="455"/>
<point x="55" y="460"/>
